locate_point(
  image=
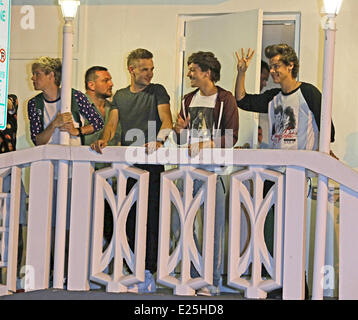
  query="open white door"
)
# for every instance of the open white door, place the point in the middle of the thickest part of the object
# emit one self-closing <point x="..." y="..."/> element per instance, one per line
<point x="223" y="35"/>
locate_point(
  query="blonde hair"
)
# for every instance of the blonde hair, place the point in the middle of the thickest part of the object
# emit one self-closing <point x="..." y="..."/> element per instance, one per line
<point x="47" y="65"/>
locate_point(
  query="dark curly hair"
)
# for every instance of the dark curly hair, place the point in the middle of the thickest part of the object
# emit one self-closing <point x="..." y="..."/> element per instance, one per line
<point x="287" y="53"/>
<point x="206" y="61"/>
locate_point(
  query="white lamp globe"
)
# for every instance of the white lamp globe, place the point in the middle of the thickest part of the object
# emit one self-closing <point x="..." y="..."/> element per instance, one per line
<point x="69" y="8"/>
<point x="332" y="6"/>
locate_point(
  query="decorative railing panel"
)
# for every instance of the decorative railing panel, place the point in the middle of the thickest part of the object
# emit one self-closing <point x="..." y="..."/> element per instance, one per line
<point x="118" y="249"/>
<point x="88" y="261"/>
<point x="256" y="253"/>
<point x="186" y="251"/>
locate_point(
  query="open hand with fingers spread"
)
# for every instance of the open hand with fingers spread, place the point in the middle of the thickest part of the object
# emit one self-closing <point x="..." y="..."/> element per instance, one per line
<point x="244" y="61"/>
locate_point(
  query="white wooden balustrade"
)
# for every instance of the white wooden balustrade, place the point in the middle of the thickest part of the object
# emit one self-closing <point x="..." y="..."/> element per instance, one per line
<point x="118" y="267"/>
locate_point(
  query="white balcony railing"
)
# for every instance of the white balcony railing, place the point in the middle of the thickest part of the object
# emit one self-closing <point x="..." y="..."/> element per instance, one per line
<point x="88" y="261"/>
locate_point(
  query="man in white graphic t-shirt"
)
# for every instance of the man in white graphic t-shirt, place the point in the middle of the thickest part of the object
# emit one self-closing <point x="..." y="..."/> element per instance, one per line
<point x="211" y="116"/>
<point x="298" y="102"/>
<point x="294" y="109"/>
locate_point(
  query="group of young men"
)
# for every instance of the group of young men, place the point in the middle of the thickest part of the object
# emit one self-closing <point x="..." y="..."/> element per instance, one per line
<point x="207" y="115"/>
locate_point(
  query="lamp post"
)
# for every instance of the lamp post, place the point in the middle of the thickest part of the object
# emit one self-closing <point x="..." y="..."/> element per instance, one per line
<point x="69" y="10"/>
<point x="331" y="9"/>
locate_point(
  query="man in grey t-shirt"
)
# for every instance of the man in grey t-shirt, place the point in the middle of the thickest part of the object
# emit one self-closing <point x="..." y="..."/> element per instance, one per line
<point x="143" y="111"/>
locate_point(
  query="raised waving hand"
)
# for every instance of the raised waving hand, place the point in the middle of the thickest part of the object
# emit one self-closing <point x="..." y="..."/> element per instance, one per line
<point x="245" y="59"/>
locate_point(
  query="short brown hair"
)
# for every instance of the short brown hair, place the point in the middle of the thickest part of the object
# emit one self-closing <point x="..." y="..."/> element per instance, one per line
<point x="47" y="65"/>
<point x="138" y="54"/>
<point x="287" y="53"/>
<point x="207" y="61"/>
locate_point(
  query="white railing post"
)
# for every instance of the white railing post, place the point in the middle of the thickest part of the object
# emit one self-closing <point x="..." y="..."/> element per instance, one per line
<point x="80" y="224"/>
<point x="295" y="234"/>
<point x="39" y="226"/>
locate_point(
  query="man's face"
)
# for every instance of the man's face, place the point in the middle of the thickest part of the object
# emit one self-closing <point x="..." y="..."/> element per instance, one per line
<point x="142" y="72"/>
<point x="103" y="84"/>
<point x="41" y="80"/>
<point x="279" y="71"/>
<point x="197" y="76"/>
<point x="264" y="78"/>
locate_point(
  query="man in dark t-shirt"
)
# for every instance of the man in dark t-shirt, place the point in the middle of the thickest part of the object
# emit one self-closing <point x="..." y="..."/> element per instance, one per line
<point x="143" y="111"/>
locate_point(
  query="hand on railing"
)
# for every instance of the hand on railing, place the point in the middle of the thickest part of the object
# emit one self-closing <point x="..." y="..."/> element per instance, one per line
<point x="99" y="145"/>
<point x="195" y="148"/>
<point x="152" y="146"/>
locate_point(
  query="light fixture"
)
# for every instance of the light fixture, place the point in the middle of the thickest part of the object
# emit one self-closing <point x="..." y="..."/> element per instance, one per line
<point x="332" y="6"/>
<point x="69" y="8"/>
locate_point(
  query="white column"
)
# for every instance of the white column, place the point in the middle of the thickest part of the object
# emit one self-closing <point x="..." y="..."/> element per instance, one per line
<point x="324" y="146"/>
<point x="62" y="185"/>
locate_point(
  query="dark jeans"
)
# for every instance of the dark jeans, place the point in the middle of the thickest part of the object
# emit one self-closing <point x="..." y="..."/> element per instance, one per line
<point x="152" y="218"/>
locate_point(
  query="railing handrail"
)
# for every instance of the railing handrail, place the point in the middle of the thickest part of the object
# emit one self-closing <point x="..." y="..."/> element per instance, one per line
<point x="315" y="161"/>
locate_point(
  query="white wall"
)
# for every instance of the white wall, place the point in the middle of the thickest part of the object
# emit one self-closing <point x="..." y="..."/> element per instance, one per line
<point x="107" y="33"/>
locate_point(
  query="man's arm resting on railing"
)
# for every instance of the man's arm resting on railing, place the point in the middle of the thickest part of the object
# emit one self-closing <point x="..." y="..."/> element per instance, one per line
<point x="108" y="133"/>
<point x="165" y="117"/>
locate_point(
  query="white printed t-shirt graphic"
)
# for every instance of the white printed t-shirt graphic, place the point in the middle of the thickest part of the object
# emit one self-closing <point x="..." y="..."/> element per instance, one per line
<point x="201" y="112"/>
<point x="292" y="125"/>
